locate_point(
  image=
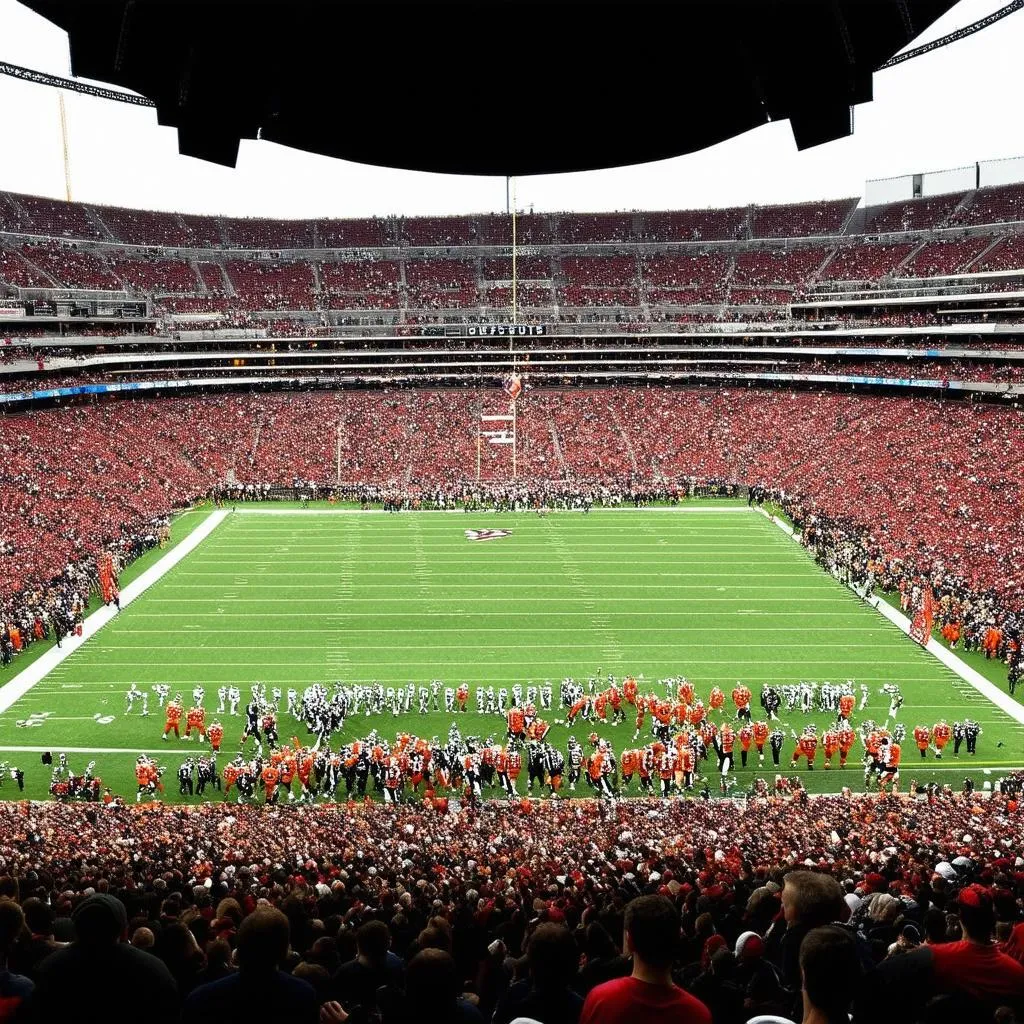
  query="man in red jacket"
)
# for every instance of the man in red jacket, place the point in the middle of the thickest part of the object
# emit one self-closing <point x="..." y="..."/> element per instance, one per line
<point x="649" y="994"/>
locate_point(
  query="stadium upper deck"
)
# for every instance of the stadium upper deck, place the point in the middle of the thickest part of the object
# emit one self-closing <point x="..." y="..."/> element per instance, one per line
<point x="931" y="275"/>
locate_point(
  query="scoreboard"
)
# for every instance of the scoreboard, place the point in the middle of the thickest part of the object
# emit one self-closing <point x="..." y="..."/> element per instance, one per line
<point x="506" y="330"/>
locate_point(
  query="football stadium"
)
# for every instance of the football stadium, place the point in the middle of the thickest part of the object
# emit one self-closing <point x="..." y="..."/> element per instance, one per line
<point x="522" y="616"/>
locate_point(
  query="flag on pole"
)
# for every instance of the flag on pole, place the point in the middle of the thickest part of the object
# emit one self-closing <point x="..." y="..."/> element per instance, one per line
<point x="921" y="627"/>
<point x="513" y="385"/>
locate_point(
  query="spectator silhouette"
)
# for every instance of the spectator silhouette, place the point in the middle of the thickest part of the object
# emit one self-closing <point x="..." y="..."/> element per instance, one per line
<point x="259" y="990"/>
<point x="14" y="988"/>
<point x="99" y="977"/>
<point x="546" y="995"/>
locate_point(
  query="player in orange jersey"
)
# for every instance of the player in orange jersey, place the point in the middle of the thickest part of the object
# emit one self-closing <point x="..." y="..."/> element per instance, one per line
<point x="746" y="737"/>
<point x="923" y="739"/>
<point x="716" y="699"/>
<point x="195" y="719"/>
<point x="847" y="738"/>
<point x="846" y="703"/>
<point x="215" y="734"/>
<point x="830" y="743"/>
<point x="270" y="777"/>
<point x="806" y="746"/>
<point x="941" y="733"/>
<point x="462" y="696"/>
<point x="172" y="717"/>
<point x="516" y="723"/>
<point x="629" y="690"/>
<point x="741" y="697"/>
<point x="760" y="730"/>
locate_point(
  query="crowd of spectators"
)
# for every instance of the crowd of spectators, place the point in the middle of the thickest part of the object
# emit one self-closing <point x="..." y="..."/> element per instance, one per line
<point x="945" y="491"/>
<point x="535" y="909"/>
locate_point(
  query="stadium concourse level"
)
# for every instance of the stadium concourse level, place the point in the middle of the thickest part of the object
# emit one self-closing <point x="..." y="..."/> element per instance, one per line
<point x="912" y="490"/>
<point x="899" y="909"/>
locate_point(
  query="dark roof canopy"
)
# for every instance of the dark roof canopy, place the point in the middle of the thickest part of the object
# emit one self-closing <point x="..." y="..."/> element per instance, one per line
<point x="490" y="88"/>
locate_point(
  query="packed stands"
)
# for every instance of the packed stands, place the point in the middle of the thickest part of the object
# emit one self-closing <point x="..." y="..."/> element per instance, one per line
<point x="695" y="225"/>
<point x="173" y="451"/>
<point x="468" y="900"/>
<point x="259" y="285"/>
<point x="591" y="227"/>
<point x="937" y="259"/>
<point x="16" y="270"/>
<point x="435" y="231"/>
<point x="147" y="227"/>
<point x="1006" y="254"/>
<point x="765" y="267"/>
<point x="867" y="262"/>
<point x="801" y="220"/>
<point x="73" y="268"/>
<point x="912" y="214"/>
<point x="999" y="205"/>
<point x="155" y="276"/>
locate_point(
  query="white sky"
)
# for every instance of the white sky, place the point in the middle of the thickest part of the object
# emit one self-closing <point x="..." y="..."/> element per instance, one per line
<point x="949" y="108"/>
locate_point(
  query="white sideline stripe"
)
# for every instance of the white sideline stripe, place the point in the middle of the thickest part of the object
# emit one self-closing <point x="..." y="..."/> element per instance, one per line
<point x="25" y="680"/>
<point x="970" y="675"/>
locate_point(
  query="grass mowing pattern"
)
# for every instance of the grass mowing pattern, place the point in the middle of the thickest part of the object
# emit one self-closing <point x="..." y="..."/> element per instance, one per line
<point x="715" y="593"/>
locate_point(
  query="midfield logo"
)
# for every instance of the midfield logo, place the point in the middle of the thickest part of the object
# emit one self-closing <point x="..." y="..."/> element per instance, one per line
<point x="487" y="534"/>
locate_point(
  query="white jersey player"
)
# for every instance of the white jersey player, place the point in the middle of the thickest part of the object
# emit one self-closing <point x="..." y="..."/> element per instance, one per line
<point x="162" y="691"/>
<point x="234" y="699"/>
<point x="135" y="694"/>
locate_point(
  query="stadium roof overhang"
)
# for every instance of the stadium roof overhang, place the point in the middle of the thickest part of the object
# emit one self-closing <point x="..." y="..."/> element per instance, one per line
<point x="485" y="88"/>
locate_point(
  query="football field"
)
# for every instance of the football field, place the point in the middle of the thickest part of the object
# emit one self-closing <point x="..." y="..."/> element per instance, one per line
<point x="290" y="597"/>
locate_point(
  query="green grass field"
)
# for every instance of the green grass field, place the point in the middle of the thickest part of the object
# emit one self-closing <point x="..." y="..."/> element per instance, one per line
<point x="713" y="592"/>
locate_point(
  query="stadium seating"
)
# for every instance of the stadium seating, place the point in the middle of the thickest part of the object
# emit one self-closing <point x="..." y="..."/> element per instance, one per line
<point x="778" y="439"/>
<point x="913" y="214"/>
<point x="866" y="262"/>
<point x="73" y="268"/>
<point x="934" y="259"/>
<point x="144" y="227"/>
<point x="451" y="894"/>
<point x="801" y="220"/>
<point x="998" y="205"/>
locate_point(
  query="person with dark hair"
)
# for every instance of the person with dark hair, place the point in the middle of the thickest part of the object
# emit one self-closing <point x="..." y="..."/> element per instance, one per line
<point x="604" y="961"/>
<point x="259" y="990"/>
<point x="14" y="988"/>
<point x="971" y="977"/>
<point x="651" y="936"/>
<point x="37" y="941"/>
<point x="830" y="974"/>
<point x="355" y="984"/>
<point x="546" y="996"/>
<point x="139" y="989"/>
<point x="431" y="995"/>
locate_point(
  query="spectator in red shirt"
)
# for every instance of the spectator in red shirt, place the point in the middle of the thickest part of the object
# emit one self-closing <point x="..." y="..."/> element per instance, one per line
<point x="651" y="936"/>
<point x="972" y="978"/>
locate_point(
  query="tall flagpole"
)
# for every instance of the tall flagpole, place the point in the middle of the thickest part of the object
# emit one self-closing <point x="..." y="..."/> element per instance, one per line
<point x="515" y="281"/>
